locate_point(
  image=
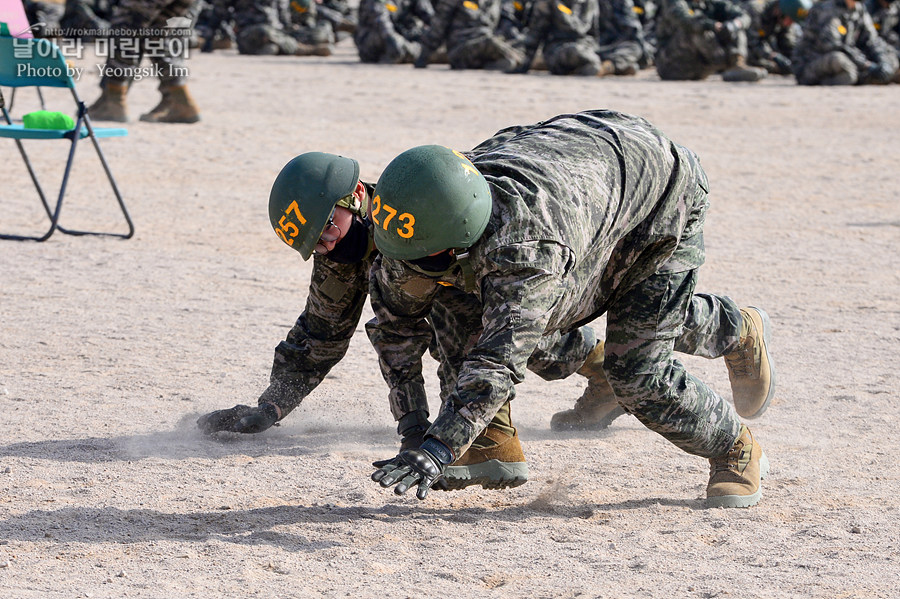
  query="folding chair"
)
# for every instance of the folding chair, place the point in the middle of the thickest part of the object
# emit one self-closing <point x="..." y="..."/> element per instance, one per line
<point x="45" y="66"/>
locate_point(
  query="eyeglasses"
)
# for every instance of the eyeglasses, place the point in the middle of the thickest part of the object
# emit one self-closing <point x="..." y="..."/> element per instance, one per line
<point x="331" y="232"/>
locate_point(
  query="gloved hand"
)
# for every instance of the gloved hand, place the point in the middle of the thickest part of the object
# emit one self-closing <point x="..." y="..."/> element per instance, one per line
<point x="424" y="466"/>
<point x="239" y="419"/>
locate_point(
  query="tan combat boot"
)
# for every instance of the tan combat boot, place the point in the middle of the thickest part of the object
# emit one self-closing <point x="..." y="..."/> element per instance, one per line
<point x="494" y="461"/>
<point x="750" y="367"/>
<point x="741" y="72"/>
<point x="110" y="106"/>
<point x="597" y="407"/>
<point x="606" y="68"/>
<point x="734" y="479"/>
<point x="176" y="106"/>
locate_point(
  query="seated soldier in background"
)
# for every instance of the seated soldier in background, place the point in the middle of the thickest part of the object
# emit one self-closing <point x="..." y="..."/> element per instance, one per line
<point x="886" y="18"/>
<point x="388" y="31"/>
<point x="565" y="31"/>
<point x="774" y="32"/>
<point x="620" y="37"/>
<point x="697" y="38"/>
<point x="272" y="27"/>
<point x="468" y="29"/>
<point x="840" y="46"/>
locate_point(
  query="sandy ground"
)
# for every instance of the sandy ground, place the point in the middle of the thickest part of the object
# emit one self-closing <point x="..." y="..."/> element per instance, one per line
<point x="110" y="350"/>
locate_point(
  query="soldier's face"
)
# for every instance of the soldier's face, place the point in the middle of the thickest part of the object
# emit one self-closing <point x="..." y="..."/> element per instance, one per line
<point x="335" y="230"/>
<point x="851" y="4"/>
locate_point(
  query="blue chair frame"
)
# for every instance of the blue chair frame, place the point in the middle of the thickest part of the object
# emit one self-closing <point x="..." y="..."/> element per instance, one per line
<point x="49" y="69"/>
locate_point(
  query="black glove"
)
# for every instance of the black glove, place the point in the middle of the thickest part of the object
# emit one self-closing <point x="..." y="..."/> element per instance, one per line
<point x="424" y="466"/>
<point x="239" y="419"/>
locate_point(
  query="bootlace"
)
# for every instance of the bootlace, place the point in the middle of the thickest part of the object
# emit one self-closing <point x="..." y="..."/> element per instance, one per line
<point x="743" y="361"/>
<point x="731" y="459"/>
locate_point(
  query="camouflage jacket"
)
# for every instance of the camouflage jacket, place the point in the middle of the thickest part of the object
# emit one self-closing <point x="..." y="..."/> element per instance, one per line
<point x="456" y="22"/>
<point x="393" y="17"/>
<point x="832" y="27"/>
<point x="585" y="207"/>
<point x="769" y="34"/>
<point x="554" y="22"/>
<point x="617" y="22"/>
<point x="695" y="16"/>
<point x="886" y="19"/>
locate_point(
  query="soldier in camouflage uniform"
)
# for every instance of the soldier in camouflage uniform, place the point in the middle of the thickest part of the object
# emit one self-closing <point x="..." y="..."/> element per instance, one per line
<point x="840" y="46"/>
<point x="468" y="29"/>
<point x="565" y="30"/>
<point x="553" y="225"/>
<point x="697" y="38"/>
<point x="620" y="37"/>
<point x="314" y="185"/>
<point x="279" y="27"/>
<point x="774" y="33"/>
<point x="513" y="17"/>
<point x="176" y="104"/>
<point x="388" y="31"/>
<point x="886" y="18"/>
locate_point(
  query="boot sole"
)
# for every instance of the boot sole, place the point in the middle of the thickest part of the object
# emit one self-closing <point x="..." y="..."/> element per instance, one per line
<point x="742" y="500"/>
<point x="492" y="474"/>
<point x="600" y="425"/>
<point x="767" y="341"/>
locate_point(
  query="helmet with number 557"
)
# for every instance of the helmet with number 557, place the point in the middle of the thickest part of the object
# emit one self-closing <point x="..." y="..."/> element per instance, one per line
<point x="305" y="193"/>
<point x="429" y="199"/>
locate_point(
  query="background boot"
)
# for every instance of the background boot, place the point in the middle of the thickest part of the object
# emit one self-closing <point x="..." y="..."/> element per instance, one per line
<point x="734" y="479"/>
<point x="750" y="368"/>
<point x="494" y="460"/>
<point x="110" y="106"/>
<point x="741" y="72"/>
<point x="176" y="106"/>
<point x="597" y="407"/>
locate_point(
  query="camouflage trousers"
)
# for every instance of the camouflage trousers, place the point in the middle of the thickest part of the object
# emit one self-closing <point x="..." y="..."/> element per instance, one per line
<point x="693" y="56"/>
<point x="373" y="48"/>
<point x="625" y="56"/>
<point x="136" y="14"/>
<point x="833" y="68"/>
<point x="645" y="326"/>
<point x="577" y="57"/>
<point x="456" y="322"/>
<point x="485" y="52"/>
<point x="266" y="39"/>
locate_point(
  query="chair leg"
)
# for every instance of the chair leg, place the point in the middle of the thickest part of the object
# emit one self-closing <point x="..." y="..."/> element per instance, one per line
<point x="53" y="214"/>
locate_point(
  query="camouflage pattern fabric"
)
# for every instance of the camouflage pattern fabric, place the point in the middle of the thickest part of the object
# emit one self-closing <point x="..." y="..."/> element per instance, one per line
<point x="275" y="27"/>
<point x="389" y="30"/>
<point x="565" y="29"/>
<point x="337" y="294"/>
<point x="620" y="36"/>
<point x="840" y="46"/>
<point x="591" y="210"/>
<point x="886" y="18"/>
<point x="770" y="41"/>
<point x="513" y="18"/>
<point x="688" y="47"/>
<point x="137" y="14"/>
<point x="468" y="29"/>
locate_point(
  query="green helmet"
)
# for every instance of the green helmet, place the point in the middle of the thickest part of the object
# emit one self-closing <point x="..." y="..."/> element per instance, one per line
<point x="795" y="9"/>
<point x="305" y="193"/>
<point x="429" y="199"/>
